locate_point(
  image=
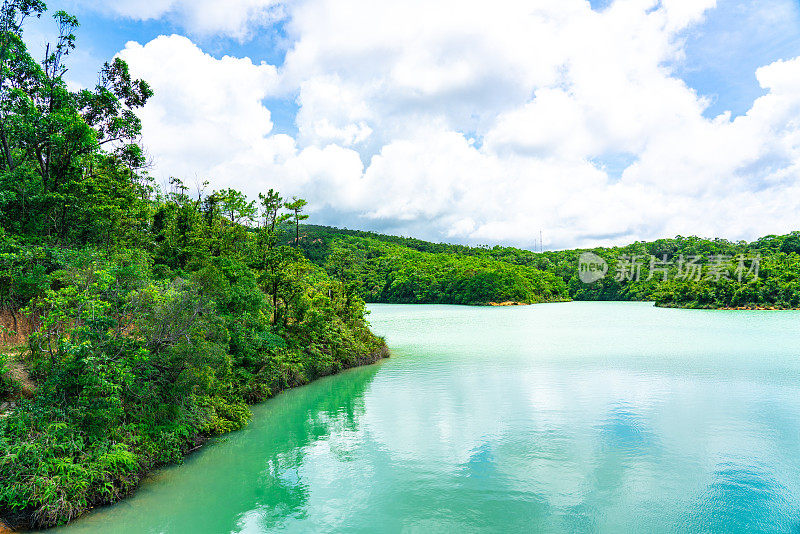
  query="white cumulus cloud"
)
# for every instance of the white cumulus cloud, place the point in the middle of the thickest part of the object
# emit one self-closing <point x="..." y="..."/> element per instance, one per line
<point x="480" y="122"/>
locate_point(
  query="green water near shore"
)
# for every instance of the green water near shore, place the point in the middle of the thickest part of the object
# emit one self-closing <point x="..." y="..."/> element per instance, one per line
<point x="574" y="417"/>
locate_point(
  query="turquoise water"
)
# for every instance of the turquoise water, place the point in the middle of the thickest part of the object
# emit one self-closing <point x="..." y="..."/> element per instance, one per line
<point x="575" y="417"/>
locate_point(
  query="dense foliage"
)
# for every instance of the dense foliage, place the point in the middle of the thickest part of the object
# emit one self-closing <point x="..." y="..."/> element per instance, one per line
<point x="761" y="274"/>
<point x="8" y="385"/>
<point x="134" y="370"/>
<point x="158" y="317"/>
<point x="391" y="269"/>
<point x="692" y="272"/>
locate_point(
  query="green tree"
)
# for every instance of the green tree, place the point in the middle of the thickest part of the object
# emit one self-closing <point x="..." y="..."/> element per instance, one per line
<point x="52" y="137"/>
<point x="12" y="18"/>
<point x="296" y="206"/>
<point x="235" y="206"/>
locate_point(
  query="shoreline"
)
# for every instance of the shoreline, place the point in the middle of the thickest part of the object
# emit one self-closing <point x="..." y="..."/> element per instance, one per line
<point x="724" y="308"/>
<point x="22" y="521"/>
<point x="656" y="304"/>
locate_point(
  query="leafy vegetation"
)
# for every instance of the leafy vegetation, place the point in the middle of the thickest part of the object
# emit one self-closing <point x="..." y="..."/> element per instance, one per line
<point x="389" y="269"/>
<point x="396" y="269"/>
<point x="691" y="272"/>
<point x="8" y="385"/>
<point x="159" y="317"/>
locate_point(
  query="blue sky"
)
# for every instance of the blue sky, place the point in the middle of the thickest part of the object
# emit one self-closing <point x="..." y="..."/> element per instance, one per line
<point x="723" y="53"/>
<point x="453" y="121"/>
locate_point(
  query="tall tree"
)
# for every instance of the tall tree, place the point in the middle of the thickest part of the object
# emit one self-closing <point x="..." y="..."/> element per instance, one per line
<point x="296" y="206"/>
<point x="12" y="17"/>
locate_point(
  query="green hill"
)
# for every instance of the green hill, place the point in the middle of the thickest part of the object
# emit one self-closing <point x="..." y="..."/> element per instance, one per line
<point x="689" y="272"/>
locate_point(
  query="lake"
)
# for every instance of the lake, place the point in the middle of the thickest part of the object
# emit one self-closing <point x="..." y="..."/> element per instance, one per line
<point x="569" y="417"/>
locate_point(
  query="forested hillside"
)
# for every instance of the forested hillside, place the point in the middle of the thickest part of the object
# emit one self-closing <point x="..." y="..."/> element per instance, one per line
<point x="157" y="317"/>
<point x="389" y="269"/>
<point x="686" y="271"/>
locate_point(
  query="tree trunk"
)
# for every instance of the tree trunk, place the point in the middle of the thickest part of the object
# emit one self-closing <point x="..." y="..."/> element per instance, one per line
<point x="274" y="303"/>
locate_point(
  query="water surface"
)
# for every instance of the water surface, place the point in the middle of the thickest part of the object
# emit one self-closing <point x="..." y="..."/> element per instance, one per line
<point x="575" y="417"/>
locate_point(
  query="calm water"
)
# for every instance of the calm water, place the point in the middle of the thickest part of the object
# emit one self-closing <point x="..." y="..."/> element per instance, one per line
<point x="577" y="417"/>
